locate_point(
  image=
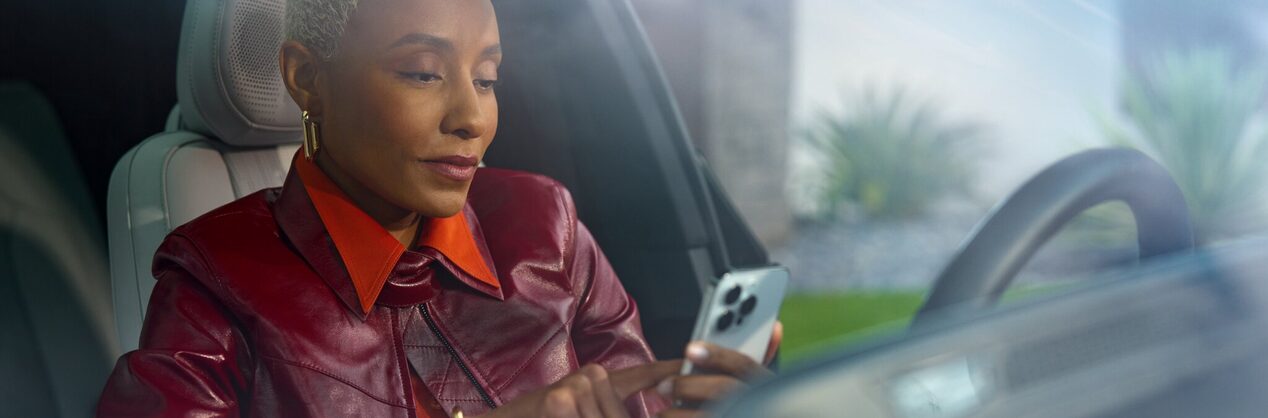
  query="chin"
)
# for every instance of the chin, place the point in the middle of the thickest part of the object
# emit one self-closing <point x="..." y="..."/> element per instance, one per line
<point x="442" y="204"/>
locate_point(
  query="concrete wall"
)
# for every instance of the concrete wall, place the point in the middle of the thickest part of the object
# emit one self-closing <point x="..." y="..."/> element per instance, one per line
<point x="729" y="63"/>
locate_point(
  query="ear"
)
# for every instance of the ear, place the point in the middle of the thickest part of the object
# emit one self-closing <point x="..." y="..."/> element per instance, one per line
<point x="300" y="71"/>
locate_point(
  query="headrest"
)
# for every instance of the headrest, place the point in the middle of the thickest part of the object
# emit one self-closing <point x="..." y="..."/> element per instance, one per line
<point x="227" y="77"/>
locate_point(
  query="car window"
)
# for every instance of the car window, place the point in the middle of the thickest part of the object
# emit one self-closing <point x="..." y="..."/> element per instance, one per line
<point x="864" y="140"/>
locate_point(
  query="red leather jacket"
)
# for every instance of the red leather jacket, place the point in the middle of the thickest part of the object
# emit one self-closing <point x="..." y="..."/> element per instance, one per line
<point x="254" y="314"/>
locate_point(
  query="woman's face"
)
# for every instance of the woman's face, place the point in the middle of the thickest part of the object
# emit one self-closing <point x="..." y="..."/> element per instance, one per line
<point x="406" y="106"/>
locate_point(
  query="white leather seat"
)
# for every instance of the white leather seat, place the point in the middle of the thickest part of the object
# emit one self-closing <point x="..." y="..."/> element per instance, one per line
<point x="232" y="133"/>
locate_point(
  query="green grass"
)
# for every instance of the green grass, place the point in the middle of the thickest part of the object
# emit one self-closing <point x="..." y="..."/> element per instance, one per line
<point x="815" y="323"/>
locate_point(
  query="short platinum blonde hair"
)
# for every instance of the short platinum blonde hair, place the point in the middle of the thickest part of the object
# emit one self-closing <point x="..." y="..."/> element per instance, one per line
<point x="318" y="24"/>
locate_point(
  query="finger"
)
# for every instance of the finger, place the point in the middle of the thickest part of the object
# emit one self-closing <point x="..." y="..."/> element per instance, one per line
<point x="682" y="413"/>
<point x="609" y="404"/>
<point x="632" y="380"/>
<point x="560" y="403"/>
<point x="776" y="338"/>
<point x="710" y="356"/>
<point x="704" y="388"/>
<point x="583" y="394"/>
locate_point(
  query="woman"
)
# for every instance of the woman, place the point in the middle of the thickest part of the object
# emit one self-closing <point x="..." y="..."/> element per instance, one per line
<point x="389" y="276"/>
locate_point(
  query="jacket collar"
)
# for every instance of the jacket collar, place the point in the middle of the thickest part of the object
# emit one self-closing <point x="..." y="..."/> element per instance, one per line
<point x="355" y="256"/>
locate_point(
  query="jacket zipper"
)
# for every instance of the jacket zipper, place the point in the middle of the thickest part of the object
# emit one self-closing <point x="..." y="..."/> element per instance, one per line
<point x="431" y="323"/>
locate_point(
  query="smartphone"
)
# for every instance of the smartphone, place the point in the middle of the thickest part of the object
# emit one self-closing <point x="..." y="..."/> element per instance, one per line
<point x="739" y="311"/>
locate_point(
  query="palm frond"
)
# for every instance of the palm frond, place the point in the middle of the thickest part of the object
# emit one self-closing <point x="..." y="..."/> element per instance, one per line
<point x="890" y="155"/>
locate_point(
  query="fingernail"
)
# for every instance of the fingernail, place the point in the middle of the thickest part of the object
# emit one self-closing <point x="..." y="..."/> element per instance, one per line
<point x="696" y="352"/>
<point x="666" y="388"/>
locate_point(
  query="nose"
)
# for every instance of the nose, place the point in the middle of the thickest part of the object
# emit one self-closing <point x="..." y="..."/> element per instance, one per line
<point x="464" y="118"/>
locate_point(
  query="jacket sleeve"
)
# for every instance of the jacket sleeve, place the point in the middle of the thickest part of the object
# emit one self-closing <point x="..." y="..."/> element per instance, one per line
<point x="606" y="330"/>
<point x="191" y="359"/>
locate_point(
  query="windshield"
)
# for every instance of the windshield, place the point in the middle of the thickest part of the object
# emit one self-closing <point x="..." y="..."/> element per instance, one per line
<point x="865" y="144"/>
<point x="864" y="140"/>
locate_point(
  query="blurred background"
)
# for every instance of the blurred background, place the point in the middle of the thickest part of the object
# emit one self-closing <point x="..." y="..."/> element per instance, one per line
<point x="862" y="139"/>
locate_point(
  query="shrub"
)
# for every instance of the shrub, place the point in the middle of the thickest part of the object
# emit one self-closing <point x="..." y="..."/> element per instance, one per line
<point x="1200" y="115"/>
<point x="890" y="156"/>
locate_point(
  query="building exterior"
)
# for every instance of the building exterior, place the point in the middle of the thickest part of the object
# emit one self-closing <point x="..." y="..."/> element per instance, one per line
<point x="729" y="63"/>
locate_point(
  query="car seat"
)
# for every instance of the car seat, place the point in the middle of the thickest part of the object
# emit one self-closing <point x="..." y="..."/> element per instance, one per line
<point x="232" y="132"/>
<point x="57" y="340"/>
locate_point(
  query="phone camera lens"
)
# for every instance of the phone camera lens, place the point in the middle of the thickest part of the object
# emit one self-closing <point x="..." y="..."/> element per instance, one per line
<point x="748" y="305"/>
<point x="733" y="295"/>
<point x="724" y="322"/>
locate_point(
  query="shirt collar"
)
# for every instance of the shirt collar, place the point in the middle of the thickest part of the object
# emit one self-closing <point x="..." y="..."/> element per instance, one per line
<point x="367" y="251"/>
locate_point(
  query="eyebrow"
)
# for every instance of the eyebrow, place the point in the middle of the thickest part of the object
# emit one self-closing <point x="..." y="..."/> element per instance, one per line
<point x="418" y="38"/>
<point x="423" y="39"/>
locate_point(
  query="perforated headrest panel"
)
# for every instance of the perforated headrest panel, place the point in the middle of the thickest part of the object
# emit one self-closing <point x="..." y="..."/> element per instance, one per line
<point x="253" y="65"/>
<point x="228" y="81"/>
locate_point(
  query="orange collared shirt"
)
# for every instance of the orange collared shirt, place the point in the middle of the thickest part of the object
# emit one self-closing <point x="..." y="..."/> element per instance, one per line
<point x="370" y="253"/>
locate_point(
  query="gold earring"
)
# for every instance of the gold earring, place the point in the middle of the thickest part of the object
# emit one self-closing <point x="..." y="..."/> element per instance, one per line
<point x="312" y="136"/>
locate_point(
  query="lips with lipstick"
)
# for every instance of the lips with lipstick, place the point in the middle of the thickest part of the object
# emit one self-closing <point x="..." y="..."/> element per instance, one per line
<point x="459" y="168"/>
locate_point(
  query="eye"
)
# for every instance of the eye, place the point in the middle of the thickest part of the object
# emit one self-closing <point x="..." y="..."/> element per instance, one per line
<point x="486" y="84"/>
<point x="425" y="78"/>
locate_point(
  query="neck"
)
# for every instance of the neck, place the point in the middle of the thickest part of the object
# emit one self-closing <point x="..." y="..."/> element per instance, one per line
<point x="400" y="222"/>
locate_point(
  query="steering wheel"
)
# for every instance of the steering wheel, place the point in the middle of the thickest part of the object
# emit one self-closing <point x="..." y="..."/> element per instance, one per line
<point x="1002" y="244"/>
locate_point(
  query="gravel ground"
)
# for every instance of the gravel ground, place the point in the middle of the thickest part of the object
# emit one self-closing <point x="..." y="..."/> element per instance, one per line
<point x="909" y="254"/>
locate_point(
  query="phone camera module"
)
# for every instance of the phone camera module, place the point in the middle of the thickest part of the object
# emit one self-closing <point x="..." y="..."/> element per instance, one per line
<point x="725" y="321"/>
<point x="733" y="295"/>
<point x="748" y="306"/>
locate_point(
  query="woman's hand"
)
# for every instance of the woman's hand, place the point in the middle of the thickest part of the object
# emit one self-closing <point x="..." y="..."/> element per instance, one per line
<point x="776" y="338"/>
<point x="721" y="371"/>
<point x="594" y="392"/>
<point x="590" y="392"/>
